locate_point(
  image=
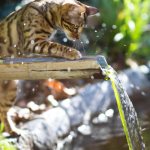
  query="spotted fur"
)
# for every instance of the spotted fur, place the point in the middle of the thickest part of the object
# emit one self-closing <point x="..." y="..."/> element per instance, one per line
<point x="27" y="30"/>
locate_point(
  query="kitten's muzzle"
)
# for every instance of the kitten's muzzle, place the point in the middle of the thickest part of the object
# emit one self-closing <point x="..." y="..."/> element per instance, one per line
<point x="74" y="36"/>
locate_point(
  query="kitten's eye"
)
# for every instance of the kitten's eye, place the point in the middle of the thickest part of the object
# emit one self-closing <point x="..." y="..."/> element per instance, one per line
<point x="76" y="26"/>
<point x="81" y="25"/>
<point x="85" y="18"/>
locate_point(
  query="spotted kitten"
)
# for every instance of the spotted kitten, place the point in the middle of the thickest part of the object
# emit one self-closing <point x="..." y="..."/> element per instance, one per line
<point x="27" y="30"/>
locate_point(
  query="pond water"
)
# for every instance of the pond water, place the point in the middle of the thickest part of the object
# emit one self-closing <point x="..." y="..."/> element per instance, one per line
<point x="110" y="135"/>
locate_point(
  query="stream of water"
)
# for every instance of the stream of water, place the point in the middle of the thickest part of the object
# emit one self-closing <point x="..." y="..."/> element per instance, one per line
<point x="127" y="112"/>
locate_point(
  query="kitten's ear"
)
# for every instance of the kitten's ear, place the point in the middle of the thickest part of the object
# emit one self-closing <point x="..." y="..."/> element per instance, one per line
<point x="91" y="10"/>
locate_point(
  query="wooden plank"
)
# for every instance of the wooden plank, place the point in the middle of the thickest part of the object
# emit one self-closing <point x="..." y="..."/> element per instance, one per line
<point x="44" y="68"/>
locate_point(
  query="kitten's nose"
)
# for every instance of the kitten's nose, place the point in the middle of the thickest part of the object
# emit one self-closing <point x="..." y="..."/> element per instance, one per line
<point x="76" y="36"/>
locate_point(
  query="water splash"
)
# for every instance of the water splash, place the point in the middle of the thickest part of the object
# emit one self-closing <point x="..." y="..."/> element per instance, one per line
<point x="127" y="112"/>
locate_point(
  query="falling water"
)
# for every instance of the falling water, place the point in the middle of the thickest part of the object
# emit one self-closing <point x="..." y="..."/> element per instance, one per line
<point x="127" y="112"/>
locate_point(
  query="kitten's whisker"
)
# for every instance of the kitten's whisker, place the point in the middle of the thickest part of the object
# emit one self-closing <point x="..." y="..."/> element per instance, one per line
<point x="82" y="43"/>
<point x="79" y="44"/>
<point x="76" y="44"/>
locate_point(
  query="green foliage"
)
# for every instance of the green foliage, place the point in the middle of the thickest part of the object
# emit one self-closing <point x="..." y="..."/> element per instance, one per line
<point x="4" y="143"/>
<point x="135" y="17"/>
<point x="124" y="25"/>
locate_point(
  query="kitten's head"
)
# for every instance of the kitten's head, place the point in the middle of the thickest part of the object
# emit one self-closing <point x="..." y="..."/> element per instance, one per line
<point x="73" y="18"/>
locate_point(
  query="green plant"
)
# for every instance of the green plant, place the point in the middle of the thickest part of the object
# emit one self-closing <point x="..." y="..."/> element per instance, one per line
<point x="4" y="143"/>
<point x="123" y="30"/>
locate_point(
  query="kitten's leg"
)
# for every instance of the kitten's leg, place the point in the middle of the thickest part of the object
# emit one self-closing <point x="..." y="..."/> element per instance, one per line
<point x="7" y="98"/>
<point x="49" y="48"/>
<point x="4" y="120"/>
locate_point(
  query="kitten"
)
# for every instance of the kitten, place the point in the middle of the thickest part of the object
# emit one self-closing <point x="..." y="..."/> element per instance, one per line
<point x="28" y="30"/>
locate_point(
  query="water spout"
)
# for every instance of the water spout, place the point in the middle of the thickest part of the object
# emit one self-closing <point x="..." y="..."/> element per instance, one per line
<point x="127" y="112"/>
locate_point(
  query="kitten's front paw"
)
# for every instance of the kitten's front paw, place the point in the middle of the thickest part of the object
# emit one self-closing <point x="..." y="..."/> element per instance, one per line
<point x="73" y="54"/>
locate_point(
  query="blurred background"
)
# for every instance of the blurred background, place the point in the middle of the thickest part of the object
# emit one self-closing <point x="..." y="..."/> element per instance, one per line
<point x="121" y="32"/>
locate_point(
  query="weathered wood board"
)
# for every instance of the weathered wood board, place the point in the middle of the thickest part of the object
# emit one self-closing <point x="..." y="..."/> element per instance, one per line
<point x="44" y="68"/>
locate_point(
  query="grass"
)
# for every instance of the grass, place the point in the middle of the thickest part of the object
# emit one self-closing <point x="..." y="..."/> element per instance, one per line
<point x="4" y="143"/>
